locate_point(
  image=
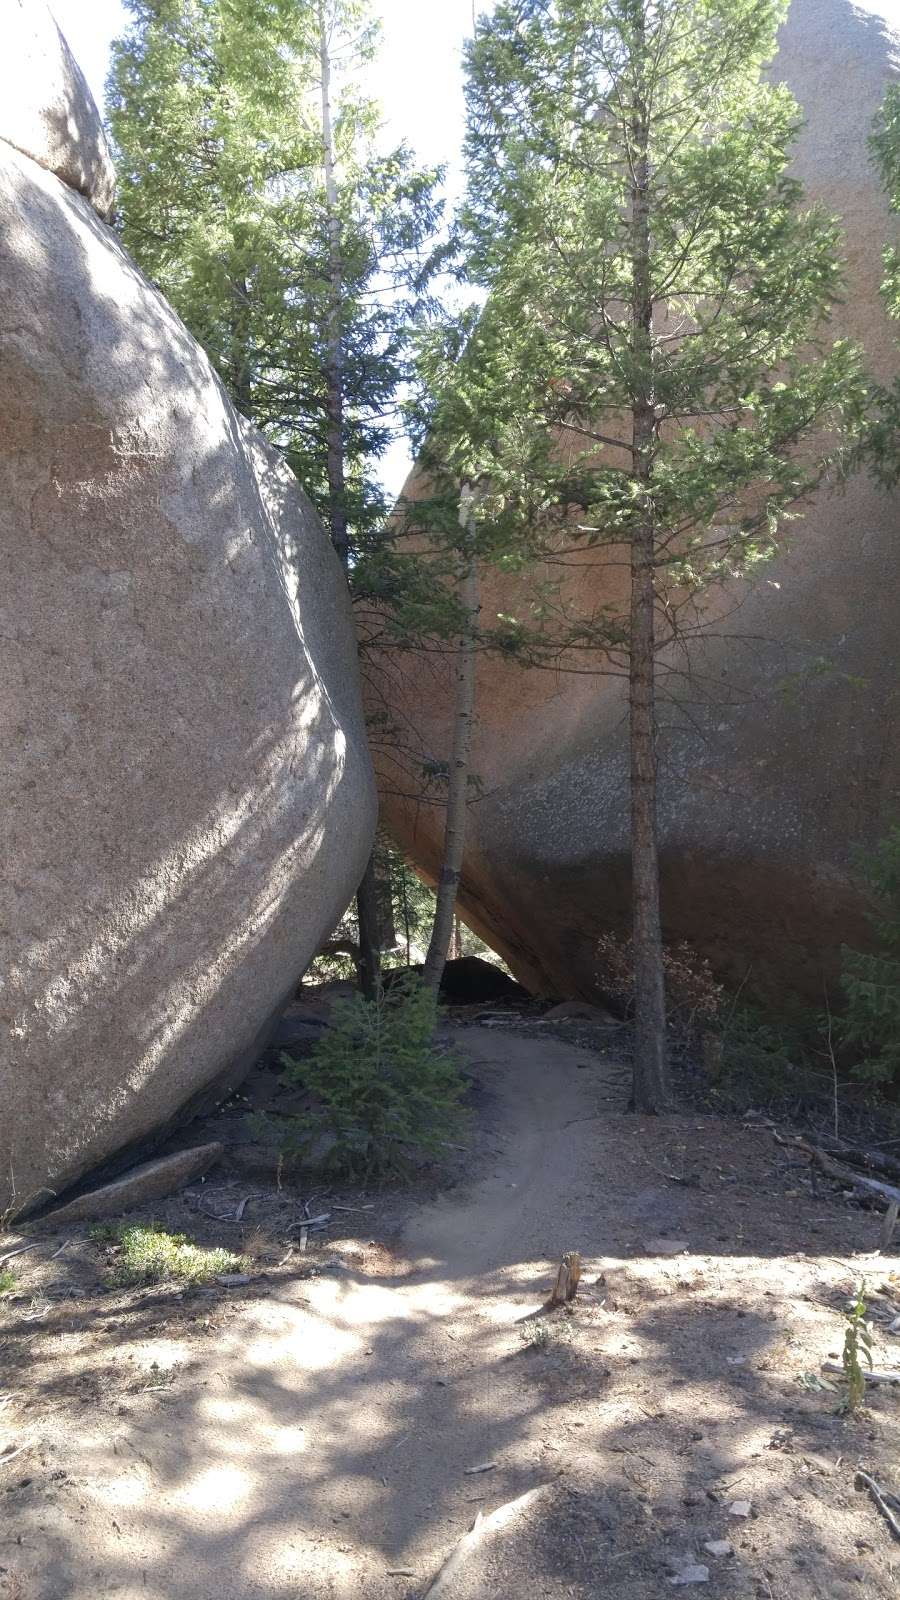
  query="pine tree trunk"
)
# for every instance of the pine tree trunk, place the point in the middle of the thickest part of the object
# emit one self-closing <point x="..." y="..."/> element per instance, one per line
<point x="384" y="899"/>
<point x="458" y="777"/>
<point x="239" y="316"/>
<point x="369" y="940"/>
<point x="366" y="898"/>
<point x="650" y="1084"/>
<point x="406" y="925"/>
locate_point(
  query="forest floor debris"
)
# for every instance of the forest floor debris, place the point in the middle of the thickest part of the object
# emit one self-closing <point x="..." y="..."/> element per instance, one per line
<point x="314" y="1429"/>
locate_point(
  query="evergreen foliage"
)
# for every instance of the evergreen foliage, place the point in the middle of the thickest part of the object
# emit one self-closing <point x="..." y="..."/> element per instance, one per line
<point x="883" y="432"/>
<point x="214" y="109"/>
<point x="870" y="1026"/>
<point x="384" y="1090"/>
<point x="656" y="345"/>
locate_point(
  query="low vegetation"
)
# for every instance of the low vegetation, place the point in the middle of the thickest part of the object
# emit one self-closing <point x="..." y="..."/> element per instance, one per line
<point x="146" y="1253"/>
<point x="857" y="1342"/>
<point x="7" y="1280"/>
<point x="869" y="1028"/>
<point x="383" y="1091"/>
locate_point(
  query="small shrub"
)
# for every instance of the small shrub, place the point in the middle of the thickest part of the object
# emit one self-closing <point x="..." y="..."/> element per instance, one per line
<point x="383" y="1088"/>
<point x="7" y="1280"/>
<point x="146" y="1253"/>
<point x="762" y="1061"/>
<point x="870" y="1025"/>
<point x="857" y="1339"/>
<point x="692" y="994"/>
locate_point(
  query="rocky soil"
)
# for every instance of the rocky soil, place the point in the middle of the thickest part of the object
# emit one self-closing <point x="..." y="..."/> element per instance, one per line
<point x="333" y="1425"/>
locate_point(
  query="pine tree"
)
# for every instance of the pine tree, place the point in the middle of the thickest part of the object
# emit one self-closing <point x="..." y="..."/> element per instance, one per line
<point x="659" y="303"/>
<point x="253" y="189"/>
<point x="252" y="215"/>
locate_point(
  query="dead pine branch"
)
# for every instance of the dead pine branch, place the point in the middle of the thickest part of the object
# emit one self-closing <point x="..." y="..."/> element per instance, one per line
<point x="887" y="1504"/>
<point x="442" y="1583"/>
<point x="848" y="1176"/>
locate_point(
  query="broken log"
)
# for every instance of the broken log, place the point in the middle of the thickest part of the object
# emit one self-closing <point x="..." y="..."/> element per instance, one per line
<point x="856" y="1156"/>
<point x="842" y="1173"/>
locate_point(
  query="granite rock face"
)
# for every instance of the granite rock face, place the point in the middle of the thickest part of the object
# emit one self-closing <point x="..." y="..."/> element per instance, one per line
<point x="796" y="758"/>
<point x="185" y="784"/>
<point x="46" y="108"/>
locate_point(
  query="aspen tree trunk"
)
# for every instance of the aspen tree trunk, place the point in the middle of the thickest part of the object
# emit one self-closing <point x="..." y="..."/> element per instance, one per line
<point x="458" y="776"/>
<point x="367" y="895"/>
<point x="650" y="1088"/>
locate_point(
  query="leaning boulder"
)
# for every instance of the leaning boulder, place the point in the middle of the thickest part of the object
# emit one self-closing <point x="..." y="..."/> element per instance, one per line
<point x="780" y="751"/>
<point x="185" y="783"/>
<point x="46" y="108"/>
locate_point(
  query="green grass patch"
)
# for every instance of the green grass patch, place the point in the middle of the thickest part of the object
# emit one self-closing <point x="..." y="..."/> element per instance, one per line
<point x="146" y="1253"/>
<point x="7" y="1280"/>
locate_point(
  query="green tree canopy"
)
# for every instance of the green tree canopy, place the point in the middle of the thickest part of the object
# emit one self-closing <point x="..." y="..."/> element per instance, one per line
<point x="215" y="112"/>
<point x="657" y="324"/>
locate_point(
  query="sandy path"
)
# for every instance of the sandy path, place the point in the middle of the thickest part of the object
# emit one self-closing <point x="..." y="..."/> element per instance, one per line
<point x="329" y="1434"/>
<point x="315" y="1436"/>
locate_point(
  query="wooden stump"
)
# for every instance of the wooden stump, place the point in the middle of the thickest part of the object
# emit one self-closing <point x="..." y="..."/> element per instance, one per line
<point x="567" y="1278"/>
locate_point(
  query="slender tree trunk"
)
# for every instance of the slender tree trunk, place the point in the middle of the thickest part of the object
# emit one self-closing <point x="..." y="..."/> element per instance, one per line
<point x="369" y="939"/>
<point x="239" y="316"/>
<point x="650" y="1089"/>
<point x="406" y="927"/>
<point x="458" y="777"/>
<point x="334" y="352"/>
<point x="367" y="896"/>
<point x="384" y="886"/>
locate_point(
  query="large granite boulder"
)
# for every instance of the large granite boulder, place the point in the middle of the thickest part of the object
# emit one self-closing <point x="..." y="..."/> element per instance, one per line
<point x="185" y="786"/>
<point x="46" y="108"/>
<point x="796" y="756"/>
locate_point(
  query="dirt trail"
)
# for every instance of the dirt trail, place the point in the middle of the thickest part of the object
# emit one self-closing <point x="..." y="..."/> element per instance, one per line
<point x="326" y="1435"/>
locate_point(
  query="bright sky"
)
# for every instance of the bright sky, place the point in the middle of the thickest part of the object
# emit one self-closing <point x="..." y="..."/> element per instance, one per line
<point x="418" y="81"/>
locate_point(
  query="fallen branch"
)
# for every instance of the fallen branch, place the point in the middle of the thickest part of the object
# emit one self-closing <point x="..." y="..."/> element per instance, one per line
<point x="469" y="1541"/>
<point x="843" y="1174"/>
<point x="856" y="1156"/>
<point x="19" y="1252"/>
<point x="890" y="1375"/>
<point x="887" y="1503"/>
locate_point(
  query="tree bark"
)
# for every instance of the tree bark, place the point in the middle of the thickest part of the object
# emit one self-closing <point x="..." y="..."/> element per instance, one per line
<point x="366" y="898"/>
<point x="384" y="889"/>
<point x="458" y="776"/>
<point x="334" y="357"/>
<point x="239" y="312"/>
<point x="369" y="940"/>
<point x="650" y="1091"/>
